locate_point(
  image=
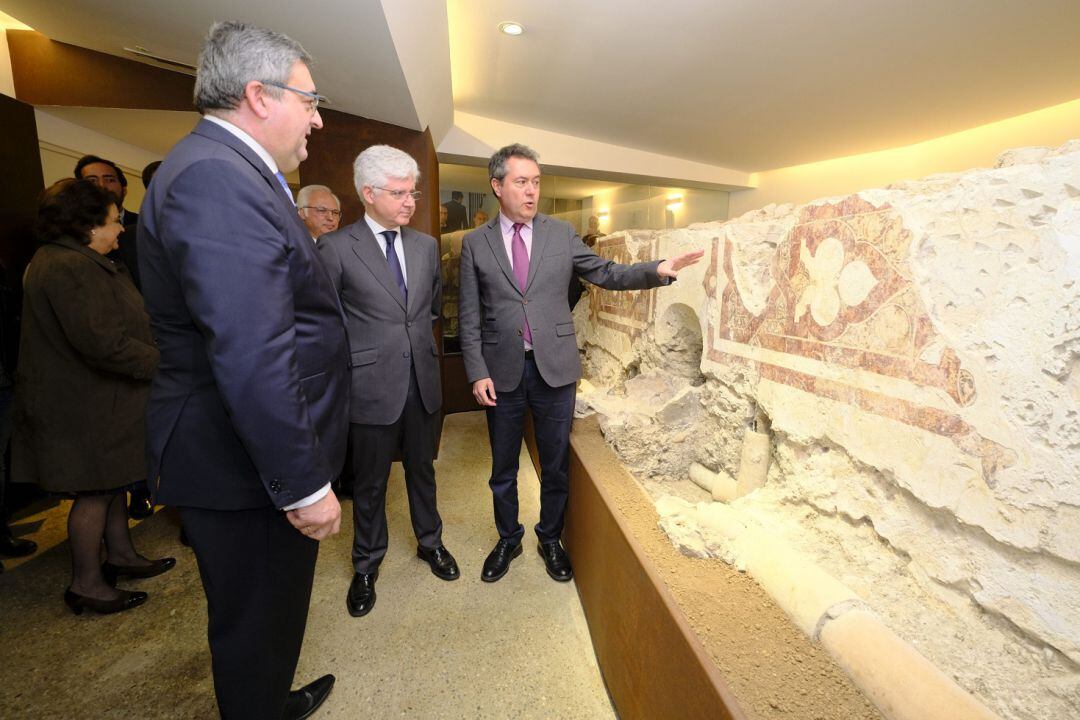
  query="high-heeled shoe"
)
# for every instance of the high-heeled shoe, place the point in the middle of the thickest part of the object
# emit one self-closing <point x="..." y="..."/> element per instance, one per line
<point x="156" y="567"/>
<point x="15" y="547"/>
<point x="127" y="600"/>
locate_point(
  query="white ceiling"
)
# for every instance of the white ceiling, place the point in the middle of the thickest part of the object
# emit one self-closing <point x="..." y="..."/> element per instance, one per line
<point x="760" y="84"/>
<point x="743" y="84"/>
<point x="356" y="59"/>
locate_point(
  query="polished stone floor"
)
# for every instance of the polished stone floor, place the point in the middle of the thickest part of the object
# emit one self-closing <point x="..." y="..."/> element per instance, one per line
<point x="518" y="648"/>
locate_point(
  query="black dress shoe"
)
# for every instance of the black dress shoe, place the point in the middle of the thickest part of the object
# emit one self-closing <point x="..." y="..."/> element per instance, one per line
<point x="498" y="560"/>
<point x="556" y="561"/>
<point x="140" y="506"/>
<point x="16" y="547"/>
<point x="305" y="701"/>
<point x="441" y="561"/>
<point x="127" y="600"/>
<point x="361" y="597"/>
<point x="156" y="567"/>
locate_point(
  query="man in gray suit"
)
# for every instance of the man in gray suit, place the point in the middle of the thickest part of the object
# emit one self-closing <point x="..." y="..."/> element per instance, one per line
<point x="517" y="337"/>
<point x="387" y="276"/>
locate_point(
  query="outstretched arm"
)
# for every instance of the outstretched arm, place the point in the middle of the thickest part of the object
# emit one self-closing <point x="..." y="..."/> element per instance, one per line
<point x="671" y="267"/>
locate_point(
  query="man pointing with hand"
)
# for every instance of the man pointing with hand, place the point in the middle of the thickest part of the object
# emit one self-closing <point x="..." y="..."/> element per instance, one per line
<point x="518" y="342"/>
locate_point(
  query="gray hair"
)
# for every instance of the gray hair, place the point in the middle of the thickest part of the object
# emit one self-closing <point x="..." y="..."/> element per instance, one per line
<point x="236" y="53"/>
<point x="376" y="165"/>
<point x="497" y="163"/>
<point x="307" y="191"/>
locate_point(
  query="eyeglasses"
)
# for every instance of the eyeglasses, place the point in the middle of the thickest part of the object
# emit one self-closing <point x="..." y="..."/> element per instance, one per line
<point x="322" y="210"/>
<point x="399" y="195"/>
<point x="313" y="99"/>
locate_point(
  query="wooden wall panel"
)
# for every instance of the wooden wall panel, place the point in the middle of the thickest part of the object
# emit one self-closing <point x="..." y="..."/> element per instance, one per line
<point x="20" y="184"/>
<point x="47" y="72"/>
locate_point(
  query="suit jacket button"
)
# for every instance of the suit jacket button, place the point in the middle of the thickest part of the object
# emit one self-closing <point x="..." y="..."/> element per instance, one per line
<point x="524" y="302"/>
<point x="408" y="324"/>
<point x="405" y="354"/>
<point x="275" y="485"/>
<point x="519" y="331"/>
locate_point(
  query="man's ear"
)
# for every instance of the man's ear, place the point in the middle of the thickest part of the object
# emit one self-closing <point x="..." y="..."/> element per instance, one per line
<point x="495" y="187"/>
<point x="255" y="98"/>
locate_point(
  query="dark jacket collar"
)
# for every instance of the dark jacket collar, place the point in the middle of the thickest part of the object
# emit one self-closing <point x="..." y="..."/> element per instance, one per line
<point x="73" y="244"/>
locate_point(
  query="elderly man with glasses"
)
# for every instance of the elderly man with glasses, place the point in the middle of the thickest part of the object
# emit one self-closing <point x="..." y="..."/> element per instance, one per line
<point x="387" y="276"/>
<point x="319" y="208"/>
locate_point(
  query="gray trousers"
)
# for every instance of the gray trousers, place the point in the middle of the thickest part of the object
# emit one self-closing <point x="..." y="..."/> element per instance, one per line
<point x="373" y="450"/>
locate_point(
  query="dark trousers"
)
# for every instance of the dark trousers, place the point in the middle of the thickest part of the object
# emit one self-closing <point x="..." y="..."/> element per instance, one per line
<point x="552" y="411"/>
<point x="373" y="450"/>
<point x="257" y="572"/>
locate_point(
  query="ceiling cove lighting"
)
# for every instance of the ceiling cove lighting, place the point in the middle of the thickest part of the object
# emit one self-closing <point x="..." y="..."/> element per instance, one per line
<point x="509" y="27"/>
<point x="674" y="202"/>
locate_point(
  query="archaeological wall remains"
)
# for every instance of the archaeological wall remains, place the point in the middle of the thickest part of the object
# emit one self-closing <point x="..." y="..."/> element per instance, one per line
<point x="899" y="371"/>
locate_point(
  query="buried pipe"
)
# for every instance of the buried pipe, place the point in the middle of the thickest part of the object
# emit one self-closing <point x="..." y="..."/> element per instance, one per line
<point x="719" y="484"/>
<point x="753" y="464"/>
<point x="900" y="682"/>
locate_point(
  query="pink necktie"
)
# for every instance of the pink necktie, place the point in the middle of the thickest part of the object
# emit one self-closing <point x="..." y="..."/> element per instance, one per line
<point x="521" y="269"/>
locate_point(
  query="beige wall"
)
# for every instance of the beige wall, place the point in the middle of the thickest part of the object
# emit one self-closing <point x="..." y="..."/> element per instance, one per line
<point x="978" y="147"/>
<point x="62" y="144"/>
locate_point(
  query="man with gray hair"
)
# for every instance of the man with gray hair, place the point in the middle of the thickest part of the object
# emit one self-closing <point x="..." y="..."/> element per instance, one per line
<point x="247" y="416"/>
<point x="519" y="346"/>
<point x="387" y="277"/>
<point x="319" y="208"/>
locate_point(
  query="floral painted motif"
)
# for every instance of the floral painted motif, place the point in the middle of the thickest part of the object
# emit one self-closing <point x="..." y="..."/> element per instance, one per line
<point x="832" y="282"/>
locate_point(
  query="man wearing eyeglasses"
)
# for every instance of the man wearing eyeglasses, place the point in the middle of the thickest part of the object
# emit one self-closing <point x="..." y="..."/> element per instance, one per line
<point x="387" y="276"/>
<point x="248" y="413"/>
<point x="319" y="208"/>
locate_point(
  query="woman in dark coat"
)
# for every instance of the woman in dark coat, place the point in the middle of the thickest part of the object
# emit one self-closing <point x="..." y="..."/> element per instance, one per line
<point x="86" y="359"/>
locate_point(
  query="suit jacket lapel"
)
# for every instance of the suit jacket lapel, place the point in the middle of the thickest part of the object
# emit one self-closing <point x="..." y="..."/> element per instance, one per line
<point x="493" y="234"/>
<point x="369" y="254"/>
<point x="539" y="242"/>
<point x="223" y="136"/>
<point x="414" y="261"/>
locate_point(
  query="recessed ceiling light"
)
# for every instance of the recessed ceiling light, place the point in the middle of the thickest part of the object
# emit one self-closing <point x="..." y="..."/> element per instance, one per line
<point x="511" y="28"/>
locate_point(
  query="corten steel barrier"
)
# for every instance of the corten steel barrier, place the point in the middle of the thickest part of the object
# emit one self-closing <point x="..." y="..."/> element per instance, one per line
<point x="653" y="664"/>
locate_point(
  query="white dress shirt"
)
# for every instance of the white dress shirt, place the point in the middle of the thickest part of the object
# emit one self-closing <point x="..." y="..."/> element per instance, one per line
<point x="399" y="248"/>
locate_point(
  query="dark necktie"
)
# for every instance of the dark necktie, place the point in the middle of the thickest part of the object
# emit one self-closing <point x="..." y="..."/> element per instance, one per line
<point x="521" y="269"/>
<point x="284" y="183"/>
<point x="395" y="264"/>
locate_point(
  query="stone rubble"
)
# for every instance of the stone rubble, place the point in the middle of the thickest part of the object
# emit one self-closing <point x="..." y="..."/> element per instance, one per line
<point x="916" y="349"/>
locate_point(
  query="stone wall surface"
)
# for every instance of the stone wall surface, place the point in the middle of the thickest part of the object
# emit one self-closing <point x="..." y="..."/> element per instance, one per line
<point x="915" y="353"/>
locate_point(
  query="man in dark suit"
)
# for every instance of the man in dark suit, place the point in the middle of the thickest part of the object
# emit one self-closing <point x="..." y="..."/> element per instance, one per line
<point x="518" y="342"/>
<point x="457" y="216"/>
<point x="387" y="276"/>
<point x="248" y="412"/>
<point x="108" y="175"/>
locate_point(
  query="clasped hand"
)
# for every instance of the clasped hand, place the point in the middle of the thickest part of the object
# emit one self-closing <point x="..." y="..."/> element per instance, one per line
<point x="319" y="520"/>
